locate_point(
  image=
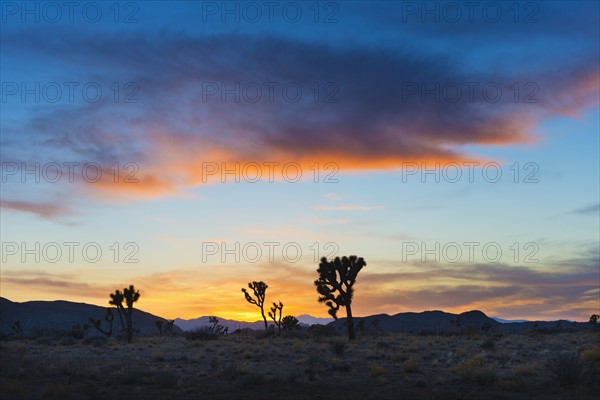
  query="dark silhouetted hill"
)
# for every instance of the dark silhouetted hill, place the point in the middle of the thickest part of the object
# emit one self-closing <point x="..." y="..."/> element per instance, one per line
<point x="443" y="322"/>
<point x="63" y="315"/>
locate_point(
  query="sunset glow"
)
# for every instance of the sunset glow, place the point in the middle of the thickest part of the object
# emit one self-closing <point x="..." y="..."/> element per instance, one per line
<point x="460" y="160"/>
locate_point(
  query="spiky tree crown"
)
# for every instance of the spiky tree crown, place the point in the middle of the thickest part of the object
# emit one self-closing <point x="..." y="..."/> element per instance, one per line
<point x="273" y="313"/>
<point x="336" y="281"/>
<point x="116" y="298"/>
<point x="259" y="289"/>
<point x="131" y="295"/>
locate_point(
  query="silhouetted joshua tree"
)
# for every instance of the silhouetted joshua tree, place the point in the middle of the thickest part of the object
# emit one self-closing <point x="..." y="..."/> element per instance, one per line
<point x="594" y="319"/>
<point x="159" y="326"/>
<point x="17" y="329"/>
<point x="168" y="328"/>
<point x="116" y="299"/>
<point x="109" y="317"/>
<point x="130" y="295"/>
<point x="259" y="289"/>
<point x="273" y="315"/>
<point x="289" y="323"/>
<point x="216" y="328"/>
<point x="335" y="285"/>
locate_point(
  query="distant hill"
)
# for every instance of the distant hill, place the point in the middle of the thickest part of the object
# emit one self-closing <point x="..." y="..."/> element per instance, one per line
<point x="62" y="315"/>
<point x="443" y="322"/>
<point x="201" y="322"/>
<point x="410" y="322"/>
<point x="310" y="320"/>
<point x="508" y="321"/>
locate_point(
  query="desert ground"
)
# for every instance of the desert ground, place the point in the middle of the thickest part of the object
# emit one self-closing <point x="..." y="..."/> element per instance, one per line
<point x="386" y="366"/>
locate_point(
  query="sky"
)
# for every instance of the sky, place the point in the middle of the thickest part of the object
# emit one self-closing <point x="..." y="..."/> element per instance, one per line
<point x="191" y="147"/>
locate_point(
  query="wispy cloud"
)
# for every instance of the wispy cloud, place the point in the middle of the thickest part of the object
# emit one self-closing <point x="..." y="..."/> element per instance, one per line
<point x="44" y="210"/>
<point x="347" y="207"/>
<point x="591" y="210"/>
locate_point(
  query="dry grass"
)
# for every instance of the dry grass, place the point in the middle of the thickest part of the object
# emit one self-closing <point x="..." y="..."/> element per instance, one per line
<point x="474" y="370"/>
<point x="525" y="370"/>
<point x="410" y="366"/>
<point x="455" y="367"/>
<point x="592" y="355"/>
<point x="376" y="370"/>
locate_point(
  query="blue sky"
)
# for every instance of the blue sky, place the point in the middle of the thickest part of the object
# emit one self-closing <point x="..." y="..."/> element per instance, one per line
<point x="371" y="60"/>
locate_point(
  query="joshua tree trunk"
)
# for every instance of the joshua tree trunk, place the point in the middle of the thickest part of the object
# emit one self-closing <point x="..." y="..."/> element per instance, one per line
<point x="262" y="311"/>
<point x="129" y="327"/>
<point x="121" y="317"/>
<point x="351" y="333"/>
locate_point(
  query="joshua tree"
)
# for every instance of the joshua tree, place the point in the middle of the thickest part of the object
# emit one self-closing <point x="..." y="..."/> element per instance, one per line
<point x="456" y="322"/>
<point x="109" y="317"/>
<point x="259" y="289"/>
<point x="17" y="329"/>
<point x="168" y="328"/>
<point x="335" y="285"/>
<point x="116" y="299"/>
<point x="485" y="327"/>
<point x="130" y="295"/>
<point x="216" y="328"/>
<point x="159" y="326"/>
<point x="273" y="315"/>
<point x="594" y="319"/>
<point x="289" y="323"/>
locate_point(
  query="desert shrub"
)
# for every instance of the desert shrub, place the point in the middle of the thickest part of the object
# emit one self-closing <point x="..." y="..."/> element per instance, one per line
<point x="317" y="363"/>
<point x="568" y="368"/>
<point x="509" y="385"/>
<point x="592" y="355"/>
<point x="290" y="323"/>
<point x="488" y="344"/>
<point x="338" y="348"/>
<point x="376" y="370"/>
<point x="67" y="341"/>
<point x="158" y="355"/>
<point x="230" y="372"/>
<point x="56" y="390"/>
<point x="292" y="376"/>
<point x="524" y="370"/>
<point x="44" y="341"/>
<point x="319" y="331"/>
<point x="132" y="376"/>
<point x="201" y="334"/>
<point x="166" y="379"/>
<point x="13" y="389"/>
<point x="253" y="379"/>
<point x="96" y="341"/>
<point x="79" y="331"/>
<point x="410" y="365"/>
<point x="339" y="365"/>
<point x="474" y="370"/>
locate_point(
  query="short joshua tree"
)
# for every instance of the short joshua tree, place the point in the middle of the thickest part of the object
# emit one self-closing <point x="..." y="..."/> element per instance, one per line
<point x="275" y="315"/>
<point x="259" y="289"/>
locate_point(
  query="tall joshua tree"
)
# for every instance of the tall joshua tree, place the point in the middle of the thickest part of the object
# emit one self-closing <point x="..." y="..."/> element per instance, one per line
<point x="130" y="295"/>
<point x="259" y="289"/>
<point x="336" y="285"/>
<point x="276" y="318"/>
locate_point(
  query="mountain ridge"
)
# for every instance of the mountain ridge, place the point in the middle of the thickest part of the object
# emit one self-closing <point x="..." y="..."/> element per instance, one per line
<point x="63" y="314"/>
